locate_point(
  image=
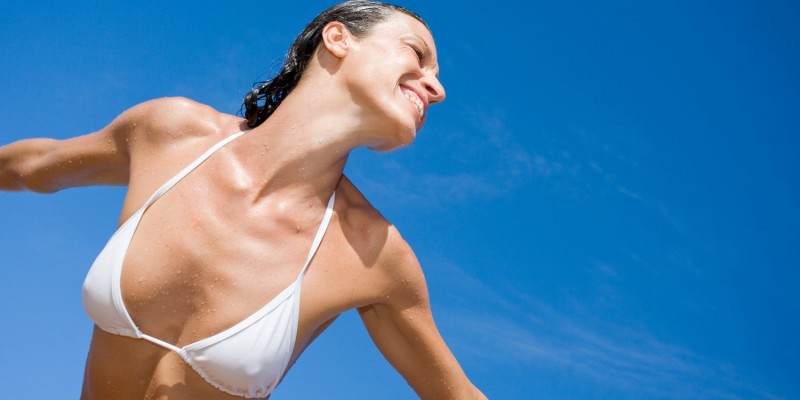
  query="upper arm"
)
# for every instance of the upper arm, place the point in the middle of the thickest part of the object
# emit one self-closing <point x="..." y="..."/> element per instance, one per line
<point x="49" y="165"/>
<point x="99" y="158"/>
<point x="403" y="329"/>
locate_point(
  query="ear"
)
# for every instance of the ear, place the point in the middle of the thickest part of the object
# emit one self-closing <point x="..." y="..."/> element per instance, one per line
<point x="337" y="39"/>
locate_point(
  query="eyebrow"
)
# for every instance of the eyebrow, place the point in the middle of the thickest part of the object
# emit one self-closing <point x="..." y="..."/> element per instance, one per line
<point x="427" y="49"/>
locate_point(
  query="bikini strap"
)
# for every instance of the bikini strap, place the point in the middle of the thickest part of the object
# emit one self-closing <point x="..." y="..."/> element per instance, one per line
<point x="320" y="233"/>
<point x="189" y="168"/>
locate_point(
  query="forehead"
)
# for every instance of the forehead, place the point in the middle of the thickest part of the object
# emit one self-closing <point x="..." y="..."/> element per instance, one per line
<point x="401" y="25"/>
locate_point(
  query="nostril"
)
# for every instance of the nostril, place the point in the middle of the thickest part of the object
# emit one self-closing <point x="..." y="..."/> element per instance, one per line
<point x="432" y="93"/>
<point x="436" y="93"/>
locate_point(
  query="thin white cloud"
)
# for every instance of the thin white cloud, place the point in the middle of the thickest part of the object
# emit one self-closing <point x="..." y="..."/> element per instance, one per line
<point x="512" y="327"/>
<point x="492" y="163"/>
<point x="610" y="169"/>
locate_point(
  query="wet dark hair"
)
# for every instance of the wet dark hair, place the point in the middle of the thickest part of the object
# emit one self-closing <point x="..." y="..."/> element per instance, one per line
<point x="358" y="16"/>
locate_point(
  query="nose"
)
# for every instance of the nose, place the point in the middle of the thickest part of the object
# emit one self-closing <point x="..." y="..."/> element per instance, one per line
<point x="434" y="89"/>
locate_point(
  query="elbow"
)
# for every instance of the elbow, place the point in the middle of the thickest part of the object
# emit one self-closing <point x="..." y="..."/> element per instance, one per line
<point x="477" y="394"/>
<point x="17" y="176"/>
<point x="11" y="178"/>
<point x="468" y="391"/>
<point x="464" y="392"/>
<point x="36" y="180"/>
<point x="472" y="392"/>
<point x="42" y="189"/>
<point x="24" y="166"/>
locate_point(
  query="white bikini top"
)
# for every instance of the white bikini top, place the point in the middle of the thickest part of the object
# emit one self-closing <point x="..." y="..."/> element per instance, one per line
<point x="247" y="359"/>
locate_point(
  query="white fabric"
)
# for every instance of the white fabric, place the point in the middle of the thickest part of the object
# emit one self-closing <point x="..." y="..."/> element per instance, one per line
<point x="247" y="359"/>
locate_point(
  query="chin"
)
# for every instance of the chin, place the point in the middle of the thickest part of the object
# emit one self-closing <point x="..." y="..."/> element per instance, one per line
<point x="401" y="135"/>
<point x="402" y="139"/>
<point x="387" y="147"/>
<point x="399" y="130"/>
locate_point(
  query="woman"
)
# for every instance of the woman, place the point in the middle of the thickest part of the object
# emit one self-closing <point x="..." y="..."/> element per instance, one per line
<point x="197" y="295"/>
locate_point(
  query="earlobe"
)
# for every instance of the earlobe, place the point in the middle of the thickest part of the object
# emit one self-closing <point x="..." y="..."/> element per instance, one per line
<point x="336" y="39"/>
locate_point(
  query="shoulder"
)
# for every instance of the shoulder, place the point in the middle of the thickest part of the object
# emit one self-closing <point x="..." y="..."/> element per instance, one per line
<point x="168" y="118"/>
<point x="392" y="264"/>
<point x="169" y="129"/>
<point x="161" y="137"/>
<point x="166" y="106"/>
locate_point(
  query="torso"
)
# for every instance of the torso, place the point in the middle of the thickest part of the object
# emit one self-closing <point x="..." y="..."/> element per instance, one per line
<point x="212" y="251"/>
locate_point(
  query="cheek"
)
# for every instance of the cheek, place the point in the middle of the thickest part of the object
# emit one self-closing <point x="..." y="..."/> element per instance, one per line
<point x="374" y="81"/>
<point x="363" y="69"/>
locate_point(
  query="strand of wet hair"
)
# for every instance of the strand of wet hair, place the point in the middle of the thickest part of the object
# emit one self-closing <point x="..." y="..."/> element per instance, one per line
<point x="356" y="15"/>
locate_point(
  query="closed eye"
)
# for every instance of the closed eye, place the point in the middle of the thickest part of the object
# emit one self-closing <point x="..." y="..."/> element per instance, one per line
<point x="420" y="54"/>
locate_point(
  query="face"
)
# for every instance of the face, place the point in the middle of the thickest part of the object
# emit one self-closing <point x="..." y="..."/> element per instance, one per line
<point x="393" y="75"/>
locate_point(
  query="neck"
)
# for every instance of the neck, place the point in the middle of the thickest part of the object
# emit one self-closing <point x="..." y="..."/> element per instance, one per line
<point x="302" y="148"/>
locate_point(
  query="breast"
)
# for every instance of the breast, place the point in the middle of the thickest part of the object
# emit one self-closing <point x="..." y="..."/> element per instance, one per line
<point x="195" y="268"/>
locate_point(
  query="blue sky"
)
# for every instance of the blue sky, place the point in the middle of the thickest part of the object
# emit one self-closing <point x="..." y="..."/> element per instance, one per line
<point x="606" y="206"/>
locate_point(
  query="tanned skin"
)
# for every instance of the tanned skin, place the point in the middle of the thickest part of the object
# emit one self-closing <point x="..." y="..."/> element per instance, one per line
<point x="235" y="232"/>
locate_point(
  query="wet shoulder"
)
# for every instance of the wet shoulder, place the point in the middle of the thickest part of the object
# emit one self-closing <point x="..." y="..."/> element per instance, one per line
<point x="170" y="132"/>
<point x="163" y="136"/>
<point x="171" y="119"/>
<point x="377" y="240"/>
<point x="362" y="225"/>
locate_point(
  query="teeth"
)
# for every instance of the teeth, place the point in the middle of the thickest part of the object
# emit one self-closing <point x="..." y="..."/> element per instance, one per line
<point x="417" y="102"/>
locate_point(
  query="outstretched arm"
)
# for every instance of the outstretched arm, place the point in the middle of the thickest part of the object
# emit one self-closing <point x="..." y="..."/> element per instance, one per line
<point x="49" y="165"/>
<point x="103" y="157"/>
<point x="402" y="327"/>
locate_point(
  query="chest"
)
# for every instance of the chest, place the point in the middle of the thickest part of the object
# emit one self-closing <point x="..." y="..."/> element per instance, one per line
<point x="195" y="268"/>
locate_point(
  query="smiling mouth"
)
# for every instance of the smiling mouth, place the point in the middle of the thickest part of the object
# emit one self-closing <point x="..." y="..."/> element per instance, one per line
<point x="413" y="98"/>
